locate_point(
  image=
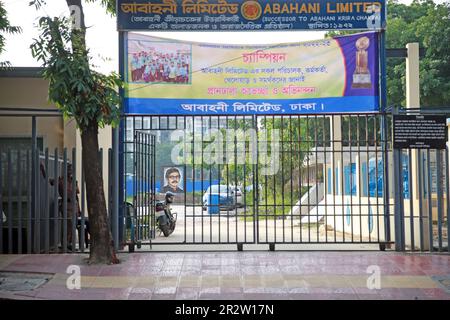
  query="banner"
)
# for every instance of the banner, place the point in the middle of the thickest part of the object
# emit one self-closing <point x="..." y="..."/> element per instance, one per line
<point x="323" y="76"/>
<point x="260" y="15"/>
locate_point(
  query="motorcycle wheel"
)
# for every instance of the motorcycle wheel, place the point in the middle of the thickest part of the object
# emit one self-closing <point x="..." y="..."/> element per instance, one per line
<point x="166" y="229"/>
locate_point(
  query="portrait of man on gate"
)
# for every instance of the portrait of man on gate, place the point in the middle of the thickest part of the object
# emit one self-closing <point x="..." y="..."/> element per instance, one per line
<point x="173" y="180"/>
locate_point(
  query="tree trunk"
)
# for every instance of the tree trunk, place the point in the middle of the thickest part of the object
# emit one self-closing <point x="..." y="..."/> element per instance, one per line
<point x="102" y="248"/>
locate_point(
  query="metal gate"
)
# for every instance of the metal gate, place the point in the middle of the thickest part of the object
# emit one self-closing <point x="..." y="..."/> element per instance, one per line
<point x="291" y="179"/>
<point x="144" y="187"/>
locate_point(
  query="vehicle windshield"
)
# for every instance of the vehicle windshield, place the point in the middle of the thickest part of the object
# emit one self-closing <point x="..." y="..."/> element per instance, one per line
<point x="222" y="188"/>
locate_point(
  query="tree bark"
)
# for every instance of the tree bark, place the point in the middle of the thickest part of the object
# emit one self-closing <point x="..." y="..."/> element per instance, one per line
<point x="102" y="248"/>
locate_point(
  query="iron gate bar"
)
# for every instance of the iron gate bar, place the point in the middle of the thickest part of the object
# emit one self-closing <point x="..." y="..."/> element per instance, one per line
<point x="421" y="193"/>
<point x="47" y="205"/>
<point x="369" y="207"/>
<point x="357" y="179"/>
<point x="360" y="178"/>
<point x="411" y="198"/>
<point x="291" y="179"/>
<point x="325" y="176"/>
<point x="308" y="185"/>
<point x="255" y="181"/>
<point x="36" y="206"/>
<point x="375" y="142"/>
<point x="350" y="143"/>
<point x="228" y="184"/>
<point x="1" y="206"/>
<point x="447" y="189"/>
<point x="83" y="241"/>
<point x="235" y="138"/>
<point x="316" y="178"/>
<point x="201" y="173"/>
<point x="439" y="197"/>
<point x="185" y="181"/>
<point x="74" y="197"/>
<point x="19" y="204"/>
<point x="282" y="181"/>
<point x="332" y="177"/>
<point x="342" y="190"/>
<point x="385" y="148"/>
<point x="430" y="210"/>
<point x="193" y="180"/>
<point x="64" y="201"/>
<point x="398" y="195"/>
<point x="112" y="195"/>
<point x="10" y="179"/>
<point x="29" y="196"/>
<point x="402" y="204"/>
<point x="143" y="166"/>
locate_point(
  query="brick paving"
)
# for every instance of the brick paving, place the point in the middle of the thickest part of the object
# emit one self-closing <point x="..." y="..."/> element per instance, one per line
<point x="244" y="275"/>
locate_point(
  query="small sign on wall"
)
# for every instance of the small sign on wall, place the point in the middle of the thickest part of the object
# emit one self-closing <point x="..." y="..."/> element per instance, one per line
<point x="420" y="132"/>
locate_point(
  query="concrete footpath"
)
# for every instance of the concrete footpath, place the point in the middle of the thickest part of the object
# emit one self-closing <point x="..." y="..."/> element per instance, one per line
<point x="229" y="276"/>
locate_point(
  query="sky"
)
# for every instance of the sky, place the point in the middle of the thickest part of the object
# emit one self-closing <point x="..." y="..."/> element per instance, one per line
<point x="102" y="38"/>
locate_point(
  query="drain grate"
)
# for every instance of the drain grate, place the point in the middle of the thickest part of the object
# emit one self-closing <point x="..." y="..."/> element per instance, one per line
<point x="15" y="281"/>
<point x="443" y="281"/>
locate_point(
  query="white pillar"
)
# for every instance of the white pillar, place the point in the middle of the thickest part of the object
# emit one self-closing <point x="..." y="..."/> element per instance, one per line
<point x="336" y="146"/>
<point x="412" y="76"/>
<point x="413" y="101"/>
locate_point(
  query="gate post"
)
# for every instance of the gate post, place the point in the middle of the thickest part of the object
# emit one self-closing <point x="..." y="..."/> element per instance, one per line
<point x="447" y="186"/>
<point x="399" y="213"/>
<point x="115" y="184"/>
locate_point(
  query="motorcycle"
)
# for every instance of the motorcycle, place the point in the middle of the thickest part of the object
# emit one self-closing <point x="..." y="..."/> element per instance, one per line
<point x="165" y="219"/>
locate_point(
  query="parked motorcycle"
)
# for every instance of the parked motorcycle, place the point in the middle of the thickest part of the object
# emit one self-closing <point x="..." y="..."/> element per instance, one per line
<point x="165" y="219"/>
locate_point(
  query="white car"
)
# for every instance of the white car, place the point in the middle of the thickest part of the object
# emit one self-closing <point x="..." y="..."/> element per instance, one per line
<point x="238" y="197"/>
<point x="226" y="196"/>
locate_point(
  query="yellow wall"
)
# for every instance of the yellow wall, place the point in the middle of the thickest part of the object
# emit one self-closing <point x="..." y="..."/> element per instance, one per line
<point x="29" y="93"/>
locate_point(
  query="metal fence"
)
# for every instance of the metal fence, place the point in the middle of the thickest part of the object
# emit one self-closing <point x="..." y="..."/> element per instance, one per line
<point x="291" y="179"/>
<point x="42" y="202"/>
<point x="309" y="179"/>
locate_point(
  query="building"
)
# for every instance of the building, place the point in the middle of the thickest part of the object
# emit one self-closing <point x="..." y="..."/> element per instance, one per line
<point x="24" y="95"/>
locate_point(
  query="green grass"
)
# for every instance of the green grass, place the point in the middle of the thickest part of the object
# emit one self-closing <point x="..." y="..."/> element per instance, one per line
<point x="272" y="207"/>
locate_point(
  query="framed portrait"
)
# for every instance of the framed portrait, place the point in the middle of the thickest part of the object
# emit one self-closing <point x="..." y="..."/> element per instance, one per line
<point x="173" y="180"/>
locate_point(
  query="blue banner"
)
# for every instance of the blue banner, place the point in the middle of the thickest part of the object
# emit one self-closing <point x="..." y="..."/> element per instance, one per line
<point x="254" y="15"/>
<point x="236" y="107"/>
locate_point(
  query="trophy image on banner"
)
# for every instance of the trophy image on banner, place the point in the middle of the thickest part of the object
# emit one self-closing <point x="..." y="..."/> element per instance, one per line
<point x="361" y="76"/>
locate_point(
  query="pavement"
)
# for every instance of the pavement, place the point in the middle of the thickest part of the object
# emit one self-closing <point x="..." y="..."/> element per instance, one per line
<point x="246" y="275"/>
